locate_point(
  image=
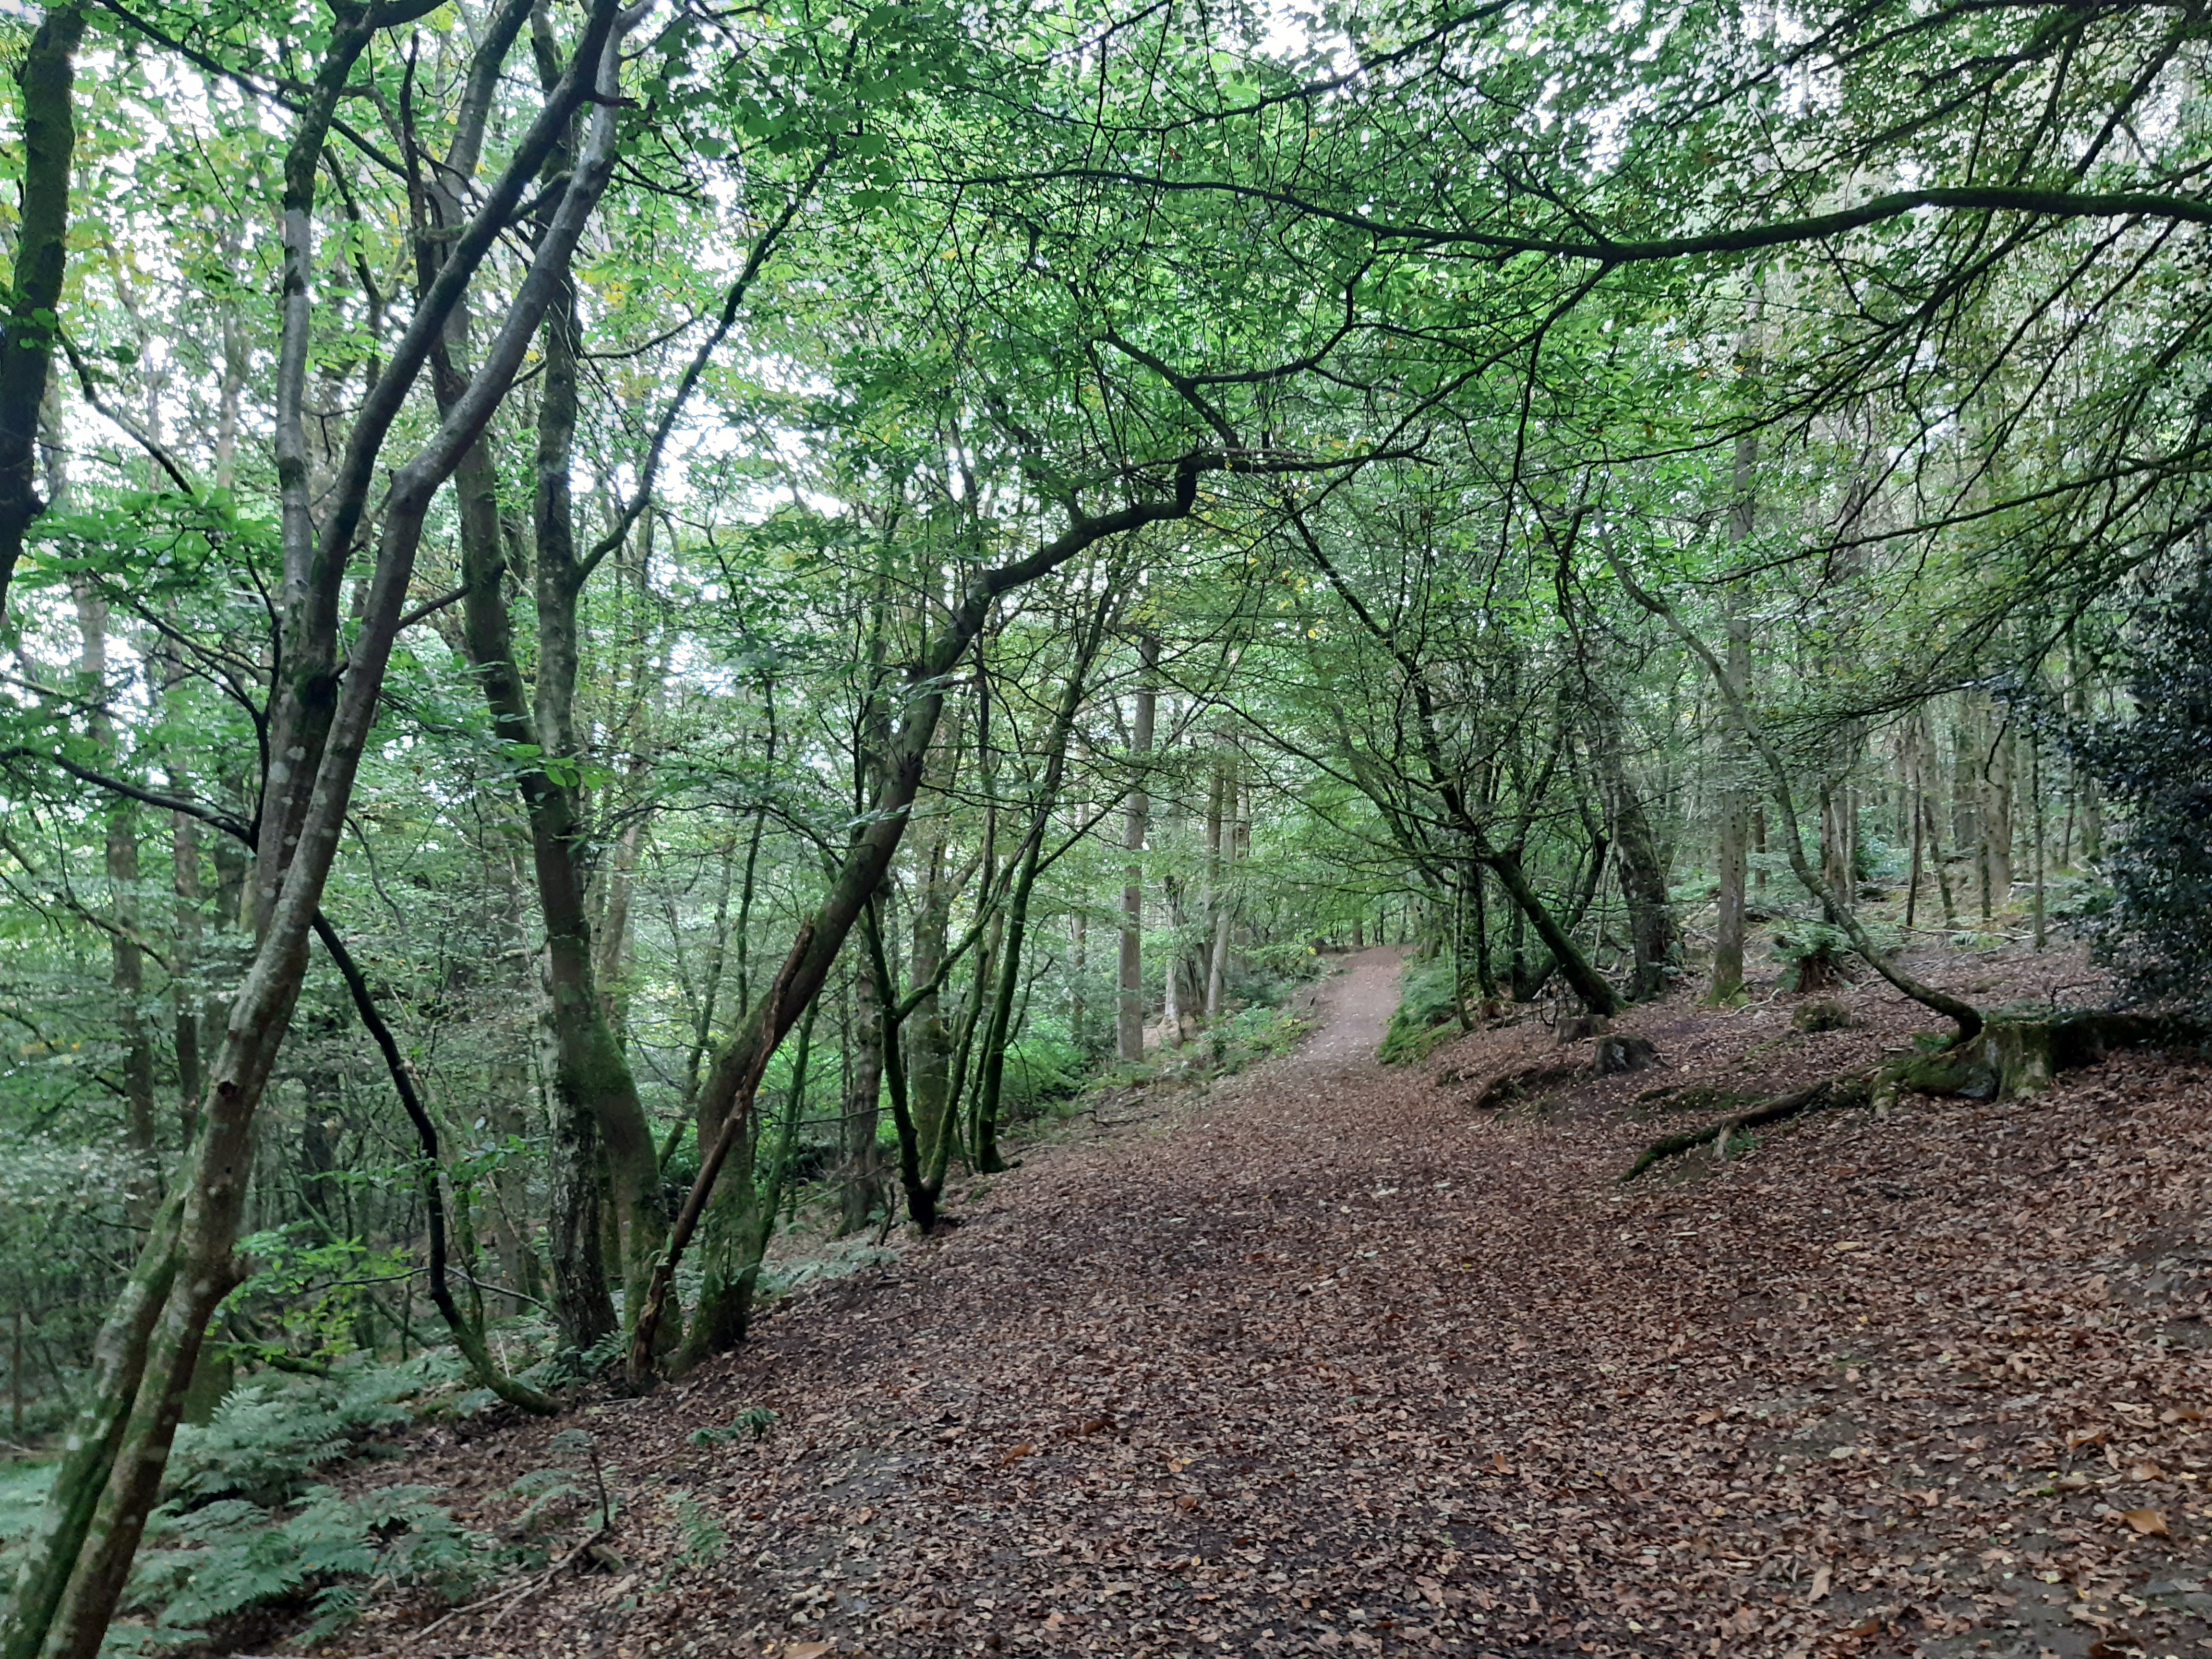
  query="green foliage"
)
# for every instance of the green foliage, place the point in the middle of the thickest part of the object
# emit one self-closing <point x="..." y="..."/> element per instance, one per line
<point x="319" y="1283"/>
<point x="1815" y="953"/>
<point x="706" y="1539"/>
<point x="270" y="1433"/>
<point x="23" y="1487"/>
<point x="243" y="1524"/>
<point x="1251" y="1034"/>
<point x="2156" y="764"/>
<point x="205" y="1563"/>
<point x="1040" y="1068"/>
<point x="1425" y="1014"/>
<point x="550" y="1491"/>
<point x="753" y="1423"/>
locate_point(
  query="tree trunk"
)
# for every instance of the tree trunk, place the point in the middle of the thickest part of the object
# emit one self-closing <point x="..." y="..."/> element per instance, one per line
<point x="590" y="1073"/>
<point x="1597" y="994"/>
<point x="1637" y="862"/>
<point x="46" y="79"/>
<point x="126" y="956"/>
<point x="183" y="984"/>
<point x="305" y="804"/>
<point x="1221" y="804"/>
<point x="582" y="1310"/>
<point x="929" y="1039"/>
<point x="1000" y="1031"/>
<point x="1129" y="1025"/>
<point x="740" y="1219"/>
<point x="862" y="1190"/>
<point x="1727" y="984"/>
<point x="1997" y="780"/>
<point x="1078" y="1015"/>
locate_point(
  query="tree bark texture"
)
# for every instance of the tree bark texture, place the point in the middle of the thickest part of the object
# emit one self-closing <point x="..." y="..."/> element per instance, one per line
<point x="1129" y="1003"/>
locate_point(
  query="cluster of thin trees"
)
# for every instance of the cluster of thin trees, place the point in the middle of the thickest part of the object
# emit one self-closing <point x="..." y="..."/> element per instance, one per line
<point x="610" y="608"/>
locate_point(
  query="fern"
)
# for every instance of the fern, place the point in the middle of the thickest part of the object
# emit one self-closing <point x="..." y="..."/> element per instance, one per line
<point x="706" y="1541"/>
<point x="751" y="1424"/>
<point x="546" y="1489"/>
<point x="269" y="1435"/>
<point x="243" y="1526"/>
<point x="232" y="1554"/>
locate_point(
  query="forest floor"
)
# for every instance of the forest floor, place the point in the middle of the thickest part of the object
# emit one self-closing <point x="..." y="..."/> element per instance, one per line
<point x="1323" y="1361"/>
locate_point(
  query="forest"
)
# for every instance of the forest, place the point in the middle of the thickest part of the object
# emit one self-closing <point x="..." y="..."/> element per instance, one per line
<point x="646" y="648"/>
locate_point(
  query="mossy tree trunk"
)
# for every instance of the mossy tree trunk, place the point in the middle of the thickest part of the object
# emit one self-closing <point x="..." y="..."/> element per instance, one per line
<point x="45" y="80"/>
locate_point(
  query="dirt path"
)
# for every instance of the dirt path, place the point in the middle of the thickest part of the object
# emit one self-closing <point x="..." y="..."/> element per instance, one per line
<point x="1324" y="1364"/>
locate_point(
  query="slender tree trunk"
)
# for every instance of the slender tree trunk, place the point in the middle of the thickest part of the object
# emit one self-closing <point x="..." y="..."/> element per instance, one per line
<point x="1914" y="794"/>
<point x="304" y="813"/>
<point x="1998" y="783"/>
<point x="184" y="975"/>
<point x="1597" y="994"/>
<point x="1129" y="1025"/>
<point x="2036" y="827"/>
<point x="127" y="955"/>
<point x="45" y="80"/>
<point x="1485" y="979"/>
<point x="1079" y="1019"/>
<point x="740" y="1218"/>
<point x="863" y="1183"/>
<point x="1836" y="853"/>
<point x="1642" y="874"/>
<point x="2087" y="803"/>
<point x="512" y="1229"/>
<point x="590" y="1073"/>
<point x="1000" y="1031"/>
<point x="1734" y="799"/>
<point x="1219" y="802"/>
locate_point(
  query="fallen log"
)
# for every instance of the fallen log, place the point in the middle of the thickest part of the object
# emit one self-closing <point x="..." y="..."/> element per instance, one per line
<point x="2012" y="1053"/>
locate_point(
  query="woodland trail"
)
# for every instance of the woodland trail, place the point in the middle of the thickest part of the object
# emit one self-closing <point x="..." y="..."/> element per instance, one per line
<point x="1324" y="1363"/>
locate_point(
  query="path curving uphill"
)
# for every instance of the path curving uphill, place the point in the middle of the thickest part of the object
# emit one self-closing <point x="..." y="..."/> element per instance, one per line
<point x="1325" y="1363"/>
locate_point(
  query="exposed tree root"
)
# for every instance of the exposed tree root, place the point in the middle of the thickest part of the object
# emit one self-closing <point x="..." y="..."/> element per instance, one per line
<point x="1608" y="1056"/>
<point x="2011" y="1055"/>
<point x="1851" y="1089"/>
<point x="1521" y="1082"/>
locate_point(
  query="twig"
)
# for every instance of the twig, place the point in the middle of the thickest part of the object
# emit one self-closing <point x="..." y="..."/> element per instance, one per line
<point x="510" y="1596"/>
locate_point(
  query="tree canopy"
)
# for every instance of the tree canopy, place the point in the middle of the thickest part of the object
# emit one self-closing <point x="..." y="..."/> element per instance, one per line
<point x="614" y="611"/>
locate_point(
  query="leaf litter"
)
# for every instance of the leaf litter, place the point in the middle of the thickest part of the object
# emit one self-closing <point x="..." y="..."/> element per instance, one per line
<point x="1321" y="1362"/>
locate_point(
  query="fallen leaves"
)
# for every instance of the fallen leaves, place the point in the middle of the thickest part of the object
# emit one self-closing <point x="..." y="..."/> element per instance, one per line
<point x="1526" y="1411"/>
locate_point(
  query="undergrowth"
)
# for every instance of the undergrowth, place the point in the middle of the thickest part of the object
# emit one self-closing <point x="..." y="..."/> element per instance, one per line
<point x="1426" y="1014"/>
<point x="245" y="1523"/>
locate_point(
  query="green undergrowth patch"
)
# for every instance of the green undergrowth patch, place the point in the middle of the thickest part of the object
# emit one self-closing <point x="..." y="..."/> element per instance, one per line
<point x="249" y="1521"/>
<point x="1427" y="1015"/>
<point x="23" y="1487"/>
<point x="1232" y="1044"/>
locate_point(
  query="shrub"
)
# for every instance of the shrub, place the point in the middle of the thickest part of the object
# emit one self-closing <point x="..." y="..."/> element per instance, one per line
<point x="1425" y="1007"/>
<point x="2156" y="766"/>
<point x="1815" y="953"/>
<point x="1039" y="1068"/>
